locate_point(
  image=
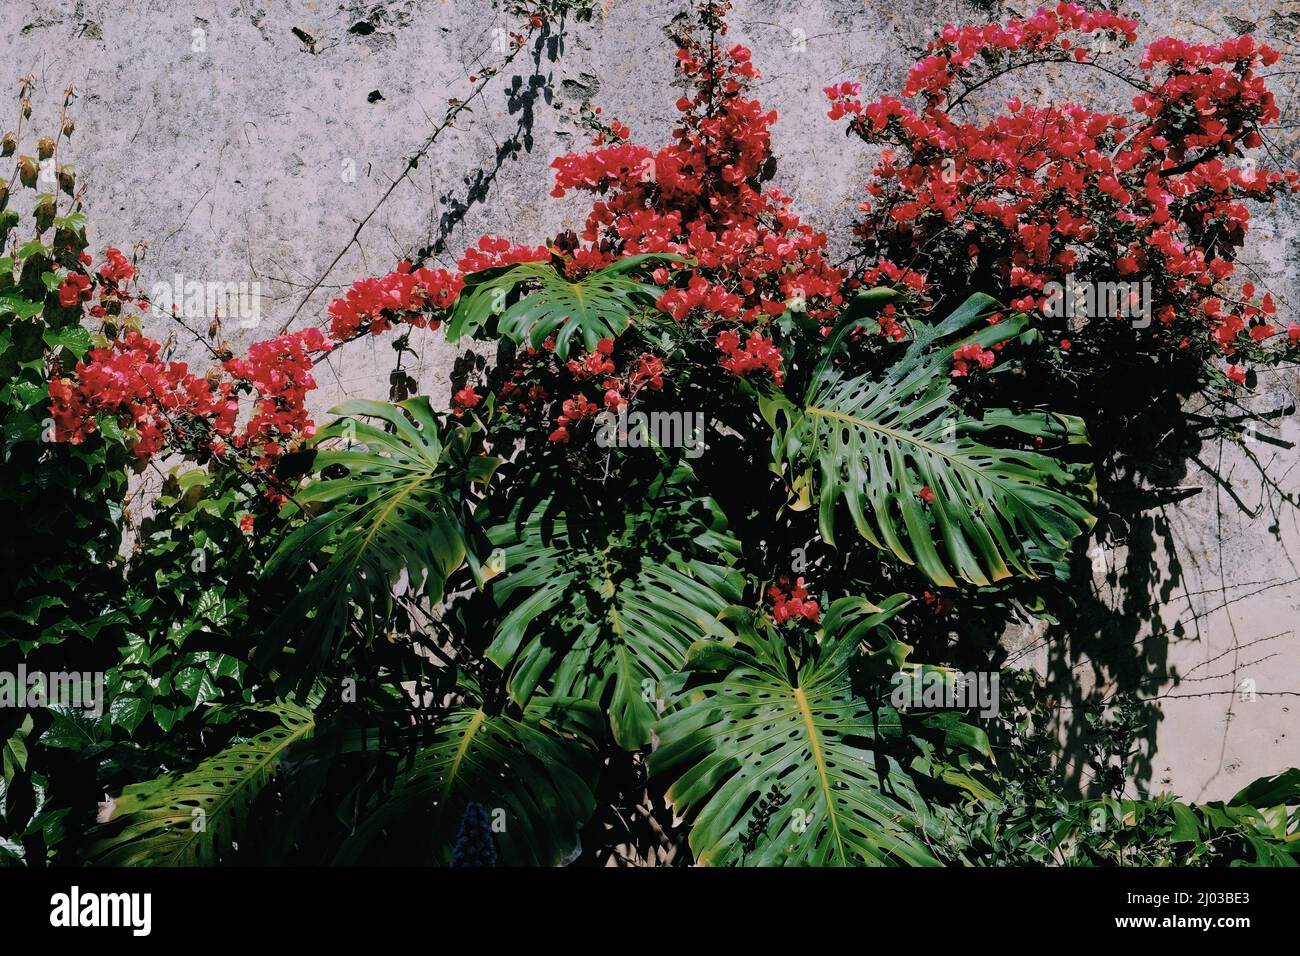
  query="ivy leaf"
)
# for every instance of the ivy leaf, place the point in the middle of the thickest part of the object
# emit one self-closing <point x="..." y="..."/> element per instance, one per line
<point x="19" y="305"/>
<point x="73" y="338"/>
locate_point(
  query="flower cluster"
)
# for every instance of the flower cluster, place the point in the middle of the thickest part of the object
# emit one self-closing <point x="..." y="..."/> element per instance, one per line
<point x="608" y="377"/>
<point x="702" y="196"/>
<point x="74" y="289"/>
<point x="407" y="295"/>
<point x="171" y="408"/>
<point x="967" y="356"/>
<point x="1006" y="205"/>
<point x="168" y="406"/>
<point x="796" y="605"/>
<point x="1042" y="192"/>
<point x="495" y="251"/>
<point x="464" y="400"/>
<point x="116" y="271"/>
<point x="749" y="257"/>
<point x="416" y="297"/>
<point x="758" y="353"/>
<point x="130" y="381"/>
<point x="278" y="374"/>
<point x="1047" y="32"/>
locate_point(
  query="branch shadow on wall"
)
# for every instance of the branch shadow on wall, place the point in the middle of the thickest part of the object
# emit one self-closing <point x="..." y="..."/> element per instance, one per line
<point x="1127" y="601"/>
<point x="522" y="98"/>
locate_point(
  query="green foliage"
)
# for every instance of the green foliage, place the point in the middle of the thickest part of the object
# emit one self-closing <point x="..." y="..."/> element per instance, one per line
<point x="60" y="504"/>
<point x="1259" y="826"/>
<point x="193" y="585"/>
<point x="602" y="599"/>
<point x="615" y="648"/>
<point x="753" y="716"/>
<point x="194" y="818"/>
<point x="874" y="445"/>
<point x="531" y="301"/>
<point x="1029" y="819"/>
<point x="392" y="509"/>
<point x="533" y="774"/>
<point x="61" y="507"/>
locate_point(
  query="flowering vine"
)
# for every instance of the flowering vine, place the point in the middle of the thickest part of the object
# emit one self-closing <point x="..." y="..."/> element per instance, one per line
<point x="1043" y="192"/>
<point x="1012" y="204"/>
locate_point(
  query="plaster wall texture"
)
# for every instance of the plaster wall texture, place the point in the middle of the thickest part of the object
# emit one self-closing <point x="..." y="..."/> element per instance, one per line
<point x="242" y="152"/>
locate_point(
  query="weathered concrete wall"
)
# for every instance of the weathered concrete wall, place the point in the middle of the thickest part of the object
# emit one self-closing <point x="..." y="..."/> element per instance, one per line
<point x="226" y="142"/>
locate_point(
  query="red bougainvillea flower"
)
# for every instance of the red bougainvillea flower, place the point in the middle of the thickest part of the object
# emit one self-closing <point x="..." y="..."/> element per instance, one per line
<point x="702" y="196"/>
<point x="757" y="354"/>
<point x="167" y="406"/>
<point x="795" y="605"/>
<point x="1006" y="203"/>
<point x="74" y="288"/>
<point x="1054" y="190"/>
<point x="966" y="356"/>
<point x="117" y="270"/>
<point x="464" y="400"/>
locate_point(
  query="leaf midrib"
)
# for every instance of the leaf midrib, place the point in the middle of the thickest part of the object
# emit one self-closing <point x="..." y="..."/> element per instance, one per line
<point x="814" y="741"/>
<point x="270" y="756"/>
<point x="475" y="722"/>
<point x="615" y="620"/>
<point x="411" y="484"/>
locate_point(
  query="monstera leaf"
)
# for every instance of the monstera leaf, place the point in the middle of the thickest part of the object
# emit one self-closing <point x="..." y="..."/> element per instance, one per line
<point x="194" y="818"/>
<point x="778" y="759"/>
<point x="533" y="776"/>
<point x="531" y="301"/>
<point x="387" y="510"/>
<point x="999" y="505"/>
<point x="602" y="602"/>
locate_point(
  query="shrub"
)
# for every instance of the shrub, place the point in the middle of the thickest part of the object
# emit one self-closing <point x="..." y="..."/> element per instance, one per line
<point x="713" y="497"/>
